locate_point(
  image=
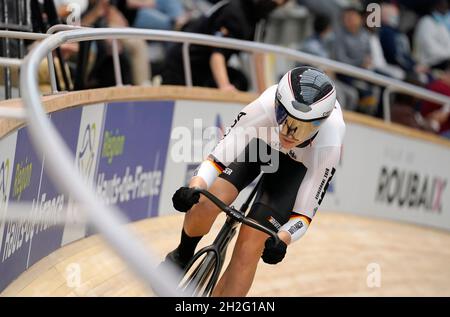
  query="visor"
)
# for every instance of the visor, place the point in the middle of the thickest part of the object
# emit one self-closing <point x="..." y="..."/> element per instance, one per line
<point x="299" y="130"/>
<point x="294" y="128"/>
<point x="280" y="111"/>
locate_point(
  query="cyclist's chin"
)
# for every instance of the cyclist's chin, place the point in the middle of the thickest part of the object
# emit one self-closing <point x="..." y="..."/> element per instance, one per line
<point x="288" y="143"/>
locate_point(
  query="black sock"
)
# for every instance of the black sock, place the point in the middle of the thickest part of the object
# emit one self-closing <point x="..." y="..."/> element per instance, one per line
<point x="187" y="246"/>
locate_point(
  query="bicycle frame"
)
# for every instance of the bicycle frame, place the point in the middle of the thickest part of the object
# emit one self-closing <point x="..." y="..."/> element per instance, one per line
<point x="212" y="264"/>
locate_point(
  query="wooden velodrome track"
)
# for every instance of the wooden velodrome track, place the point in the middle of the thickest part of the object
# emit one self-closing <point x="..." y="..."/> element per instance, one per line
<point x="330" y="260"/>
<point x="334" y="258"/>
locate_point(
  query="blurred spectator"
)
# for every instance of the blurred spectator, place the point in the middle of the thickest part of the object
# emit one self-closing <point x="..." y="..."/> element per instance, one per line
<point x="135" y="48"/>
<point x="379" y="63"/>
<point x="404" y="110"/>
<point x="329" y="8"/>
<point x="321" y="42"/>
<point x="353" y="47"/>
<point x="432" y="37"/>
<point x="395" y="44"/>
<point x="96" y="11"/>
<point x="134" y="54"/>
<point x="154" y="14"/>
<point x="196" y="8"/>
<point x="228" y="19"/>
<point x="439" y="115"/>
<point x="352" y="40"/>
<point x="420" y="7"/>
<point x="65" y="7"/>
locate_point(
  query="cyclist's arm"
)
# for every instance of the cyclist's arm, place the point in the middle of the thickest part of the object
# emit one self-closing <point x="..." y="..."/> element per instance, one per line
<point x="206" y="173"/>
<point x="321" y="165"/>
<point x="244" y="128"/>
<point x="294" y="229"/>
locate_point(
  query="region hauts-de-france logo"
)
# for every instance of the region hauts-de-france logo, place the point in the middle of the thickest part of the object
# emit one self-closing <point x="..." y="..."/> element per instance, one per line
<point x="87" y="152"/>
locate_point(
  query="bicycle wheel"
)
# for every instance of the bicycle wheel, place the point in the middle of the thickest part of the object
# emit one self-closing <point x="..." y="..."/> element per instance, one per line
<point x="203" y="278"/>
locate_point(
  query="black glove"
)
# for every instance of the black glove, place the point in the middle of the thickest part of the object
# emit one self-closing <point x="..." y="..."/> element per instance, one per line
<point x="274" y="252"/>
<point x="184" y="198"/>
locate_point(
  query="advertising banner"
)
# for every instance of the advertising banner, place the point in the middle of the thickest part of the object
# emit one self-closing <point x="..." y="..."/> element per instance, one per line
<point x="393" y="176"/>
<point x="17" y="235"/>
<point x="133" y="156"/>
<point x="86" y="162"/>
<point x="7" y="153"/>
<point x="51" y="204"/>
<point x="37" y="233"/>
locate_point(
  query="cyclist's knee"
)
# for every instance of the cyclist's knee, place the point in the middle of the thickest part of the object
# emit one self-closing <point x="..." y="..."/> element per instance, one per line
<point x="196" y="231"/>
<point x="246" y="259"/>
<point x="247" y="252"/>
<point x="200" y="218"/>
<point x="203" y="207"/>
<point x="202" y="215"/>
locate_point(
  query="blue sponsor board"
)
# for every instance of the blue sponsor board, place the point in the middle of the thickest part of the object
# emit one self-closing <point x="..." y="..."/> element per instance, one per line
<point x="17" y="236"/>
<point x="25" y="242"/>
<point x="133" y="154"/>
<point x="51" y="203"/>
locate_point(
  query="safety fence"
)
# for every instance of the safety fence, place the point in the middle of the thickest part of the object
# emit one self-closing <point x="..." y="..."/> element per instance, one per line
<point x="56" y="153"/>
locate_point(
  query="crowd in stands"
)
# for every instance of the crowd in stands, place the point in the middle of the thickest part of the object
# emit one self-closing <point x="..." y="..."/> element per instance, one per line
<point x="411" y="43"/>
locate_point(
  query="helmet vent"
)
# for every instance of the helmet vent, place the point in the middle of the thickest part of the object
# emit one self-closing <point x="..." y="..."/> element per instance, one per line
<point x="309" y="85"/>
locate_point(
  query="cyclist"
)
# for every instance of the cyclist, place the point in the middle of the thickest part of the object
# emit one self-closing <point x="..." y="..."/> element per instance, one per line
<point x="304" y="150"/>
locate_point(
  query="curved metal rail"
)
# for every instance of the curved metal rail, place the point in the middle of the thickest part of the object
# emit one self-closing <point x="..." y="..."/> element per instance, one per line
<point x="107" y="218"/>
<point x="392" y="85"/>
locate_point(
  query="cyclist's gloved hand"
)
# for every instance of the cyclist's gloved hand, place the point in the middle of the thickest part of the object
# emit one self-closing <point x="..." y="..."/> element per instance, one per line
<point x="274" y="252"/>
<point x="184" y="198"/>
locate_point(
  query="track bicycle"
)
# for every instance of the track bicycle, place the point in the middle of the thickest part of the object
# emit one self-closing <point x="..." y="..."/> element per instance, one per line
<point x="204" y="274"/>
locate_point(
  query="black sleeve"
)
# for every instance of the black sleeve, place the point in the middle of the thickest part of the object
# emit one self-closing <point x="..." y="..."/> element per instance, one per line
<point x="235" y="24"/>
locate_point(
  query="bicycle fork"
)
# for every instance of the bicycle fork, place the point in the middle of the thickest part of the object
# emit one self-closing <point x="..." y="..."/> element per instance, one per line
<point x="212" y="264"/>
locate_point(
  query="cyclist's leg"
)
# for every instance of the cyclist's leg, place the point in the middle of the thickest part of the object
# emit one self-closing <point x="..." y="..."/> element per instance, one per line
<point x="199" y="219"/>
<point x="227" y="186"/>
<point x="272" y="208"/>
<point x="238" y="276"/>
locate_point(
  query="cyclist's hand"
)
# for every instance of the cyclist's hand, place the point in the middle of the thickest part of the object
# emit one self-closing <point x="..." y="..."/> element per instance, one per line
<point x="274" y="252"/>
<point x="184" y="198"/>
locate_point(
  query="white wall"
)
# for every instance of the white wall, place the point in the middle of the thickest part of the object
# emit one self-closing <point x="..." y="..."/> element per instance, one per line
<point x="422" y="167"/>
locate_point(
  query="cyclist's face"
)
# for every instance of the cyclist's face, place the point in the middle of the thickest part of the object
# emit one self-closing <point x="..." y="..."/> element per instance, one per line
<point x="294" y="132"/>
<point x="288" y="141"/>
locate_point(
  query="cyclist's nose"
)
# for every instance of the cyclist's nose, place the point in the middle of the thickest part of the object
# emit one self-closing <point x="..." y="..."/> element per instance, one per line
<point x="290" y="136"/>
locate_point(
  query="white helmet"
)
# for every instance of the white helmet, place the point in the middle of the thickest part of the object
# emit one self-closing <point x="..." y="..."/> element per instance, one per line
<point x="305" y="98"/>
